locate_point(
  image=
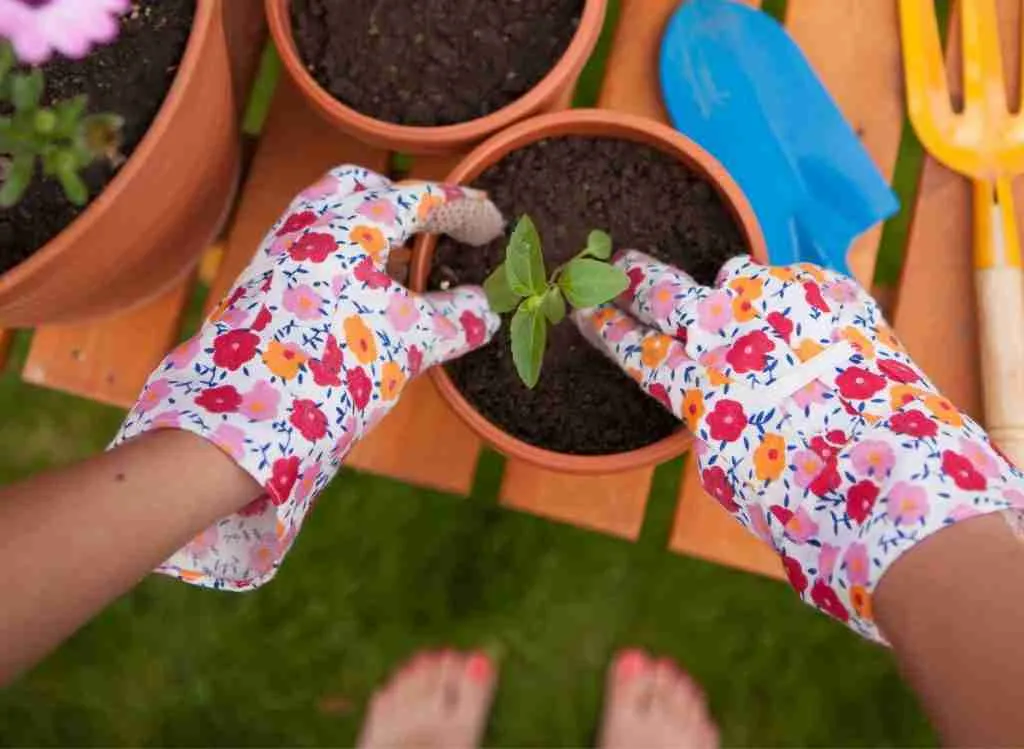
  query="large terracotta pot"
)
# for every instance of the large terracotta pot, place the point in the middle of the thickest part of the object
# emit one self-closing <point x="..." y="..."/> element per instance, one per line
<point x="601" y="123"/>
<point x="149" y="226"/>
<point x="554" y="91"/>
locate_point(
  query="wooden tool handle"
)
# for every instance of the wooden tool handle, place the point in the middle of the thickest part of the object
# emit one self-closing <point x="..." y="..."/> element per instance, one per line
<point x="999" y="279"/>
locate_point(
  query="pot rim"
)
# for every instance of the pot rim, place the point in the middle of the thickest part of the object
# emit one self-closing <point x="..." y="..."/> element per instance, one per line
<point x="39" y="262"/>
<point x="585" y="122"/>
<point x="437" y="138"/>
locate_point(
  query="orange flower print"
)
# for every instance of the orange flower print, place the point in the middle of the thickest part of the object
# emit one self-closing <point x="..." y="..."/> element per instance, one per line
<point x="943" y="410"/>
<point x="901" y="395"/>
<point x="748" y="288"/>
<point x="861" y="600"/>
<point x="693" y="408"/>
<point x="371" y="239"/>
<point x="742" y="309"/>
<point x="888" y="338"/>
<point x="770" y="457"/>
<point x="813" y="271"/>
<point x="360" y="339"/>
<point x="782" y="273"/>
<point x="717" y="377"/>
<point x="807" y="349"/>
<point x="284" y="359"/>
<point x="654" y="349"/>
<point x="392" y="380"/>
<point x="428" y="203"/>
<point x="859" y="341"/>
<point x="601" y="318"/>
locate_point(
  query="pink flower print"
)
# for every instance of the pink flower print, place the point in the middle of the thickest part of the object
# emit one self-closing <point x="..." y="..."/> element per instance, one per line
<point x="307" y="482"/>
<point x="339" y="284"/>
<point x="380" y="211"/>
<point x="841" y="291"/>
<point x="857" y="564"/>
<point x="963" y="512"/>
<point x="906" y="504"/>
<point x="1014" y="497"/>
<point x="715" y="312"/>
<point x="38" y="29"/>
<point x="263" y="555"/>
<point x="873" y="458"/>
<point x="344" y="443"/>
<point x="402" y="312"/>
<point x="166" y="420"/>
<point x="153" y="395"/>
<point x="233" y="317"/>
<point x="810" y="394"/>
<point x="230" y="439"/>
<point x="982" y="458"/>
<point x="261" y="402"/>
<point x="715" y="358"/>
<point x="808" y="465"/>
<point x="662" y="297"/>
<point x="677" y="357"/>
<point x="203" y="544"/>
<point x="827" y="560"/>
<point x="303" y="302"/>
<point x="800" y="528"/>
<point x="759" y="524"/>
<point x="618" y="330"/>
<point x="325" y="188"/>
<point x="182" y="357"/>
<point x="445" y="328"/>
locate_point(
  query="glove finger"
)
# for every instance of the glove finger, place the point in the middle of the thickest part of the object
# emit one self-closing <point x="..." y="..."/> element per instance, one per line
<point x="659" y="295"/>
<point x="458" y="321"/>
<point x="462" y="213"/>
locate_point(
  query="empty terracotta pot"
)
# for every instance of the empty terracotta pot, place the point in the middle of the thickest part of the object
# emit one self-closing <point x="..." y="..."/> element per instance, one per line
<point x="593" y="123"/>
<point x="150" y="225"/>
<point x="555" y="91"/>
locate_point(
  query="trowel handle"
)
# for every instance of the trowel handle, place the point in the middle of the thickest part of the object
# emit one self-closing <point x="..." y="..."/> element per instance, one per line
<point x="999" y="280"/>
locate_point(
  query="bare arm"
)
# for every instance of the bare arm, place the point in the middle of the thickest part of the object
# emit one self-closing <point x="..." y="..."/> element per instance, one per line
<point x="953" y="609"/>
<point x="77" y="538"/>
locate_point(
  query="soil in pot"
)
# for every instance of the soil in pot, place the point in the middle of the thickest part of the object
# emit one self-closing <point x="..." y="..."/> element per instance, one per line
<point x="646" y="200"/>
<point x="431" y="63"/>
<point x="130" y="77"/>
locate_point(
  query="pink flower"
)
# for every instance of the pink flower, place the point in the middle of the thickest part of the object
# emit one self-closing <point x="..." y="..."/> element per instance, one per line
<point x="230" y="439"/>
<point x="166" y="420"/>
<point x="203" y="543"/>
<point x="841" y="291"/>
<point x="1014" y="497"/>
<point x="857" y="564"/>
<point x="260" y="403"/>
<point x="182" y="356"/>
<point x="677" y="356"/>
<point x="322" y="189"/>
<point x="344" y="443"/>
<point x="873" y="458"/>
<point x="307" y="482"/>
<point x="263" y="555"/>
<point x="827" y="560"/>
<point x="445" y="328"/>
<point x="811" y="393"/>
<point x="402" y="312"/>
<point x="715" y="358"/>
<point x="380" y="211"/>
<point x="906" y="504"/>
<point x="71" y="27"/>
<point x="662" y="297"/>
<point x="715" y="311"/>
<point x="153" y="395"/>
<point x="800" y="528"/>
<point x="303" y="302"/>
<point x="963" y="512"/>
<point x="759" y="524"/>
<point x="619" y="329"/>
<point x="808" y="465"/>
<point x="982" y="458"/>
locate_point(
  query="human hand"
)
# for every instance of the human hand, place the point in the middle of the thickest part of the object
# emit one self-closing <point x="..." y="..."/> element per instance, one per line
<point x="309" y="351"/>
<point x="812" y="425"/>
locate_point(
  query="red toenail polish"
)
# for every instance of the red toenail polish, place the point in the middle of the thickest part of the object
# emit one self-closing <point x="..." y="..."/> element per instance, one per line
<point x="479" y="668"/>
<point x="630" y="664"/>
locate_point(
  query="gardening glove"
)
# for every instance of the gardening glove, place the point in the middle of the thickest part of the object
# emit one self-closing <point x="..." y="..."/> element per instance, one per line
<point x="812" y="426"/>
<point x="309" y="351"/>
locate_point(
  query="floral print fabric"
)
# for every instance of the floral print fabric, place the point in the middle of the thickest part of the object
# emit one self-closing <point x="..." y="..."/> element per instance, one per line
<point x="812" y="425"/>
<point x="312" y="347"/>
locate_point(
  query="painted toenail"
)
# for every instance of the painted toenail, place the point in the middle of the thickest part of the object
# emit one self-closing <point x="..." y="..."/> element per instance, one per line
<point x="479" y="668"/>
<point x="630" y="664"/>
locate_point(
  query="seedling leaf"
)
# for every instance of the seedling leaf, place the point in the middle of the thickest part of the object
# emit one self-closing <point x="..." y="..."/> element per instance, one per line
<point x="553" y="305"/>
<point x="529" y="337"/>
<point x="500" y="295"/>
<point x="18" y="175"/>
<point x="587" y="283"/>
<point x="524" y="260"/>
<point x="599" y="245"/>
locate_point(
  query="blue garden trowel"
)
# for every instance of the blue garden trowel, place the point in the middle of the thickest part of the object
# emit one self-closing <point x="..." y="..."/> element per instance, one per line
<point x="736" y="83"/>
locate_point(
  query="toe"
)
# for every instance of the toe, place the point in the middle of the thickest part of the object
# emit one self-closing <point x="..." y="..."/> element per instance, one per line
<point x="632" y="681"/>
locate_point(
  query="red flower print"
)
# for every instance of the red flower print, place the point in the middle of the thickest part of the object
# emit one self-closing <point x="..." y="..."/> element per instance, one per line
<point x="837" y="437"/>
<point x="826" y="599"/>
<point x="233" y="349"/>
<point x="860" y="499"/>
<point x="782" y="514"/>
<point x="823" y="449"/>
<point x="781" y="324"/>
<point x="897" y="371"/>
<point x="308" y="419"/>
<point x="826" y="481"/>
<point x="727" y="421"/>
<point x="914" y="423"/>
<point x="857" y="383"/>
<point x="313" y="247"/>
<point x="262" y="319"/>
<point x="962" y="471"/>
<point x="682" y="335"/>
<point x="748" y="353"/>
<point x="474" y="328"/>
<point x="327" y="369"/>
<point x="660" y="394"/>
<point x="812" y="293"/>
<point x="220" y="400"/>
<point x="359" y="386"/>
<point x="716" y="483"/>
<point x="795" y="573"/>
<point x="415" y="361"/>
<point x="257" y="507"/>
<point x="636" y="277"/>
<point x="297" y="222"/>
<point x="283" y="475"/>
<point x="367" y="272"/>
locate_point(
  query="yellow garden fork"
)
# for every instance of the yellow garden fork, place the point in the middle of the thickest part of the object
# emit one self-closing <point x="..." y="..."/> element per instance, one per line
<point x="986" y="143"/>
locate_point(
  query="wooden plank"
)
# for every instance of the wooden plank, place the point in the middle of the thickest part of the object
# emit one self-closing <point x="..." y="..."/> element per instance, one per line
<point x="936" y="315"/>
<point x="109" y="360"/>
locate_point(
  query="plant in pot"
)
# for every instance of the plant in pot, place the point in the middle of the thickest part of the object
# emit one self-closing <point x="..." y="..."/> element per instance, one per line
<point x="434" y="77"/>
<point x="650" y="189"/>
<point x="118" y="154"/>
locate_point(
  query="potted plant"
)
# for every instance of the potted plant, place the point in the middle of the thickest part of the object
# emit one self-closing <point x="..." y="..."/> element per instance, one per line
<point x="434" y="77"/>
<point x="86" y="234"/>
<point x="643" y="186"/>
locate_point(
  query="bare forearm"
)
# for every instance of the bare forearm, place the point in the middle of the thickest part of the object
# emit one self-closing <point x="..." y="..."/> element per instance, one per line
<point x="954" y="611"/>
<point x="77" y="538"/>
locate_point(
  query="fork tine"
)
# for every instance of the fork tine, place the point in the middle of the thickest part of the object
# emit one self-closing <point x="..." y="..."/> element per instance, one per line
<point x="928" y="102"/>
<point x="984" y="85"/>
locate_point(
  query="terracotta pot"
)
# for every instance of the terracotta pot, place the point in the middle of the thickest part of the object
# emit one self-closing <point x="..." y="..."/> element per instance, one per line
<point x="554" y="92"/>
<point x="593" y="122"/>
<point x="151" y="223"/>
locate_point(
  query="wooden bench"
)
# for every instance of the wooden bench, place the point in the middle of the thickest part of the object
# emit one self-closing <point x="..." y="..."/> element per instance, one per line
<point x="421" y="442"/>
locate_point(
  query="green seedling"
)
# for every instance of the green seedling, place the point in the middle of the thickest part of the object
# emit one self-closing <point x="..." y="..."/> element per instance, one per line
<point x="63" y="138"/>
<point x="521" y="284"/>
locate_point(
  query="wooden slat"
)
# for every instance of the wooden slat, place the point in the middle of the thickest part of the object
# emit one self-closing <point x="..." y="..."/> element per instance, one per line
<point x="936" y="314"/>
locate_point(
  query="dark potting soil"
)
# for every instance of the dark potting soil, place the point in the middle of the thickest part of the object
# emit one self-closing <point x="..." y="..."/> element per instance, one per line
<point x="646" y="200"/>
<point x="129" y="77"/>
<point x="431" y="62"/>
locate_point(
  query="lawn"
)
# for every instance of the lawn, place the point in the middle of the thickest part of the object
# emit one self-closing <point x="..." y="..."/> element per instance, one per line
<point x="385" y="569"/>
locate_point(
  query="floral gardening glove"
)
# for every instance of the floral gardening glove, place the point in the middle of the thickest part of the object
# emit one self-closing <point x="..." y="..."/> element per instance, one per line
<point x="812" y="425"/>
<point x="309" y="351"/>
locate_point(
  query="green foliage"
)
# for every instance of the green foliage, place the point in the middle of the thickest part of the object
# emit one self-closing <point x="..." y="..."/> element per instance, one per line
<point x="61" y="137"/>
<point x="521" y="284"/>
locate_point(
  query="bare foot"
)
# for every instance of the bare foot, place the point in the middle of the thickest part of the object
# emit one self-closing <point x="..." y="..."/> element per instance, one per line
<point x="435" y="701"/>
<point x="652" y="704"/>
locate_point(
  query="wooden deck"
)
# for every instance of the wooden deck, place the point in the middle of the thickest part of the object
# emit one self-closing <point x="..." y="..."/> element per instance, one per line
<point x="421" y="442"/>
